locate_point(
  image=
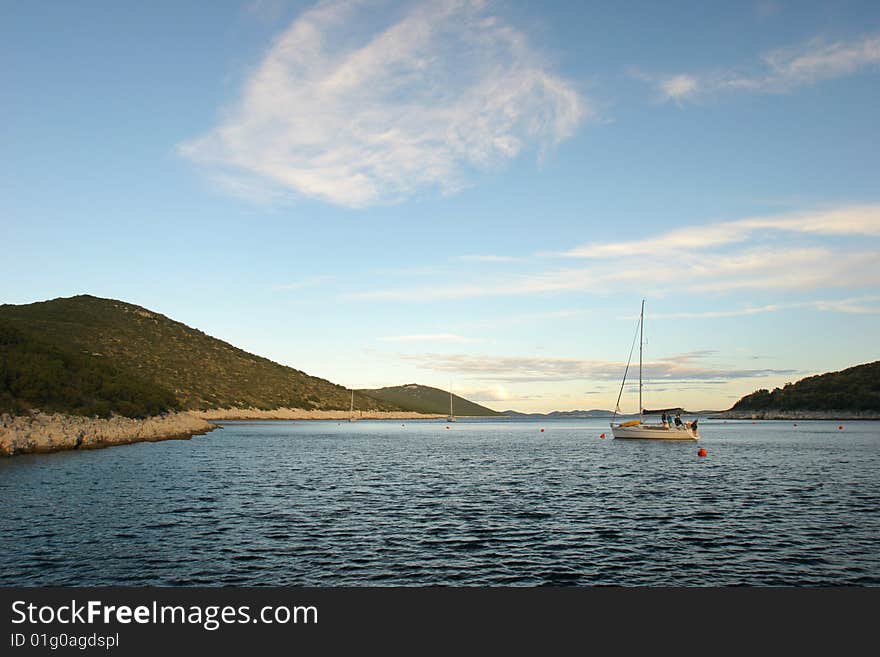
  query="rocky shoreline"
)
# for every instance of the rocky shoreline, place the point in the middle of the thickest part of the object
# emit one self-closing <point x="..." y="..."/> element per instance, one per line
<point x="39" y="433"/>
<point x="795" y="415"/>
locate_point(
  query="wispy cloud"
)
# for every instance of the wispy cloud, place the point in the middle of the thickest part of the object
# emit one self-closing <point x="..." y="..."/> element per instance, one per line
<point x="429" y="337"/>
<point x="844" y="221"/>
<point x="866" y="305"/>
<point x="758" y="253"/>
<point x="519" y="369"/>
<point x="756" y="269"/>
<point x="309" y="281"/>
<point x="855" y="306"/>
<point x="678" y="87"/>
<point x="495" y="393"/>
<point x="780" y="70"/>
<point x="357" y="104"/>
<point x="689" y="356"/>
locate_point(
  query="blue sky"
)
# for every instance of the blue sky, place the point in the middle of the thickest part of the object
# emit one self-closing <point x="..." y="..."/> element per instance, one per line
<point x="467" y="193"/>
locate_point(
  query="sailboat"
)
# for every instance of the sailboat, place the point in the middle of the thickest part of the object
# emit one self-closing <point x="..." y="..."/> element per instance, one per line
<point x="637" y="428"/>
<point x="451" y="416"/>
<point x="351" y="416"/>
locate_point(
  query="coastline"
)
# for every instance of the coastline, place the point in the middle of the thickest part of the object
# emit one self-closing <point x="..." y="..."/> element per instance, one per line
<point x="302" y="414"/>
<point x="41" y="433"/>
<point x="795" y="415"/>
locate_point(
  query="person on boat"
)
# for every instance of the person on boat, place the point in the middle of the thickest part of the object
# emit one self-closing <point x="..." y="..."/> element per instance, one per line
<point x="664" y="421"/>
<point x="678" y="420"/>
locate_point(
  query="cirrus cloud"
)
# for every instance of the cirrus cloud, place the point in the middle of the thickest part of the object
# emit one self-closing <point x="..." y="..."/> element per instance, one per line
<point x="358" y="103"/>
<point x="522" y="369"/>
<point x="783" y="70"/>
<point x="832" y="248"/>
<point x="844" y="221"/>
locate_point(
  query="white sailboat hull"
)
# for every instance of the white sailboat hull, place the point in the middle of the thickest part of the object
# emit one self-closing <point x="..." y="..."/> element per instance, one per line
<point x="653" y="432"/>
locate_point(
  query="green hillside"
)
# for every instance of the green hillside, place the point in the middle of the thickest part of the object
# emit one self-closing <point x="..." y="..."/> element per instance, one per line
<point x="35" y="374"/>
<point x="853" y="389"/>
<point x="116" y="342"/>
<point x="425" y="399"/>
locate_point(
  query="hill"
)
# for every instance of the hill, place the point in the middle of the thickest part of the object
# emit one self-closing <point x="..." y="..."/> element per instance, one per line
<point x="594" y="413"/>
<point x="110" y="352"/>
<point x="425" y="399"/>
<point x="855" y="389"/>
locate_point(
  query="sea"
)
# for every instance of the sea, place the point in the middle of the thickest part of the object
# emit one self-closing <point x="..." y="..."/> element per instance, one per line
<point x="471" y="503"/>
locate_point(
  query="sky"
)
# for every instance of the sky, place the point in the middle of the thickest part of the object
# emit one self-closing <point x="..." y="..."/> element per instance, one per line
<point x="467" y="194"/>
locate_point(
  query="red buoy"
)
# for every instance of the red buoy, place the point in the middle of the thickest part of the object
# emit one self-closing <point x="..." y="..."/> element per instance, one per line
<point x="602" y="436"/>
<point x="542" y="430"/>
<point x="840" y="428"/>
<point x="702" y="451"/>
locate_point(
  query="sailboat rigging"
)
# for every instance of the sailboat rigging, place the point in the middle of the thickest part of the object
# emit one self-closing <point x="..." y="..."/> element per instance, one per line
<point x="667" y="430"/>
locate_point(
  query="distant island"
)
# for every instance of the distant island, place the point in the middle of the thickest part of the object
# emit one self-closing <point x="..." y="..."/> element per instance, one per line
<point x="594" y="413"/>
<point x="853" y="393"/>
<point x="425" y="399"/>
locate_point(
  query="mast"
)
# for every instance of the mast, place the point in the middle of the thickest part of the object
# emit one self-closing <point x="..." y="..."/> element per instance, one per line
<point x="450" y="400"/>
<point x="352" y="403"/>
<point x="641" y="343"/>
<point x="626" y="370"/>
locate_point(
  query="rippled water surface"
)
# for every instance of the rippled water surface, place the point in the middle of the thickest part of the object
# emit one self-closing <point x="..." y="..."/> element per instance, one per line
<point x="480" y="503"/>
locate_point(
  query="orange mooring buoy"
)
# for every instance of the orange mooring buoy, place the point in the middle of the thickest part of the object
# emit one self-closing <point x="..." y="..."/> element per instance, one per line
<point x="602" y="436"/>
<point x="702" y="451"/>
